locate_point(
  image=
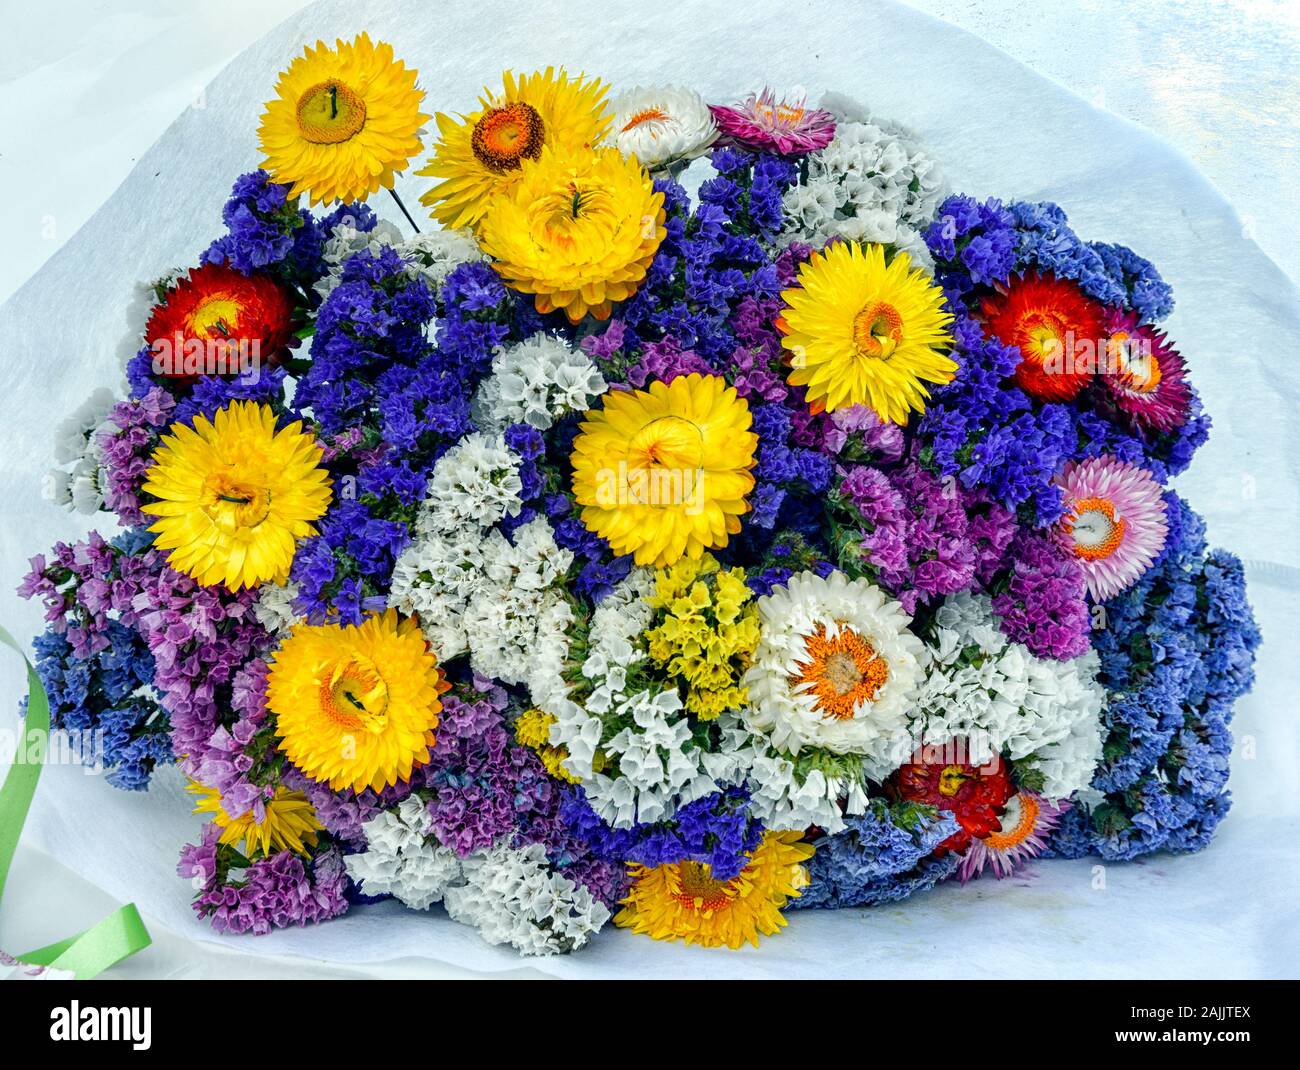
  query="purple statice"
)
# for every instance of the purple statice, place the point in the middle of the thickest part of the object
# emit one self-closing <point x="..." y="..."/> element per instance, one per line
<point x="349" y="564"/>
<point x="1146" y="293"/>
<point x="665" y="361"/>
<point x="203" y="639"/>
<point x="919" y="536"/>
<point x="274" y="892"/>
<point x="487" y="789"/>
<point x="1041" y="598"/>
<point x="716" y="830"/>
<point x="710" y="259"/>
<point x="125" y="448"/>
<point x="1177" y="651"/>
<point x="882" y="856"/>
<point x="95" y="665"/>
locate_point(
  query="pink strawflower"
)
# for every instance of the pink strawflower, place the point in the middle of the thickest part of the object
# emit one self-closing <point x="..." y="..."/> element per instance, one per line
<point x="1026" y="824"/>
<point x="762" y="122"/>
<point x="1115" y="522"/>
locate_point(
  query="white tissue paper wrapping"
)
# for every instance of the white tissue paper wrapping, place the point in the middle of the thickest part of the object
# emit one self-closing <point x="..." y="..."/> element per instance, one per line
<point x="999" y="130"/>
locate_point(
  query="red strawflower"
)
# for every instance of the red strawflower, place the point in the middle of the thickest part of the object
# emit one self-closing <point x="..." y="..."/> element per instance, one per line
<point x="217" y="321"/>
<point x="1058" y="331"/>
<point x="975" y="795"/>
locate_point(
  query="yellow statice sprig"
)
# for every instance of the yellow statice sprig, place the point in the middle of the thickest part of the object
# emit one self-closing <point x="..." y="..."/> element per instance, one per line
<point x="705" y="632"/>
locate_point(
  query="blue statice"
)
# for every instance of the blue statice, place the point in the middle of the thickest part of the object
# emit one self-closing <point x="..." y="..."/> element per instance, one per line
<point x="711" y="258"/>
<point x="982" y="428"/>
<point x="104" y="701"/>
<point x="882" y="856"/>
<point x="213" y="392"/>
<point x="1177" y="652"/>
<point x="268" y="232"/>
<point x="349" y="565"/>
<point x="716" y="830"/>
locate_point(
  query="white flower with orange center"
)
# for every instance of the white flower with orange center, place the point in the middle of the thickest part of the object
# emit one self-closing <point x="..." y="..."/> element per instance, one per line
<point x="1115" y="522"/>
<point x="662" y="125"/>
<point x="836" y="668"/>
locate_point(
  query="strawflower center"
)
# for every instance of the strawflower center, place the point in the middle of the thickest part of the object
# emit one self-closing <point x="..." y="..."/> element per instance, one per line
<point x="355" y="696"/>
<point x="877" y="330"/>
<point x="780" y="114"/>
<point x="214" y="315"/>
<point x="1095" y="529"/>
<point x="840" y="673"/>
<point x="698" y="890"/>
<point x="1133" y="362"/>
<point x="645" y="115"/>
<point x="951" y="780"/>
<point x="330" y="113"/>
<point x="232" y="503"/>
<point x="670" y="442"/>
<point x="1043" y="336"/>
<point x="1017" y="823"/>
<point x="504" y="137"/>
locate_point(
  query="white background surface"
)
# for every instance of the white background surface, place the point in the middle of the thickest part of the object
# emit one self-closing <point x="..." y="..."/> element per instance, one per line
<point x="85" y="91"/>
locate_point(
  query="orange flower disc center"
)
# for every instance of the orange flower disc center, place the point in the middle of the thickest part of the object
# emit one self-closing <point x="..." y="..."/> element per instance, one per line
<point x="646" y="115"/>
<point x="355" y="696"/>
<point x="504" y="137"/>
<point x="841" y="672"/>
<point x="877" y="330"/>
<point x="1095" y="529"/>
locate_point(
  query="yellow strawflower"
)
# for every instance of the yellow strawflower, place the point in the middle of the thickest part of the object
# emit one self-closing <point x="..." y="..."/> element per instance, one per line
<point x="356" y="706"/>
<point x="344" y="120"/>
<point x="479" y="155"/>
<point x="578" y="230"/>
<point x="663" y="473"/>
<point x="235" y="495"/>
<point x="861" y="331"/>
<point x="289" y="822"/>
<point x="681" y="900"/>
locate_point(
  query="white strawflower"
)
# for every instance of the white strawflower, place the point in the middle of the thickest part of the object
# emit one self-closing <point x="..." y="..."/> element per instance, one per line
<point x="661" y="125"/>
<point x="836" y="668"/>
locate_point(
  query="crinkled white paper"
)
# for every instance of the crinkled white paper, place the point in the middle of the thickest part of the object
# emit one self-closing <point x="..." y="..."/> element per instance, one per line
<point x="999" y="130"/>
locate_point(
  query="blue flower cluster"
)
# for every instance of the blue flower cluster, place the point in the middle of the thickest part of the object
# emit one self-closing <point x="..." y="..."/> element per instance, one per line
<point x="1177" y="652"/>
<point x="882" y="856"/>
<point x="980" y="427"/>
<point x="715" y="830"/>
<point x="103" y="701"/>
<point x="268" y="232"/>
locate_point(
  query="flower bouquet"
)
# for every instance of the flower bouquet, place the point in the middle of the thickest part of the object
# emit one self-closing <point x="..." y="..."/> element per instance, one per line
<point x="711" y="517"/>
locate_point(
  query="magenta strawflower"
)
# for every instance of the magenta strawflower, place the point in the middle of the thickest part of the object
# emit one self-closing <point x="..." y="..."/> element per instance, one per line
<point x="1115" y="522"/>
<point x="767" y="124"/>
<point x="1143" y="374"/>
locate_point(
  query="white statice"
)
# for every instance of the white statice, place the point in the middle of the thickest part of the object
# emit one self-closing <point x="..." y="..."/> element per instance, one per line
<point x="512" y="896"/>
<point x="476" y="483"/>
<point x="836" y="668"/>
<point x="662" y="125"/>
<point x="658" y="766"/>
<point x="274" y="607"/>
<point x="535" y="382"/>
<point x="994" y="694"/>
<point x="403" y="859"/>
<point x="875" y="182"/>
<point x="432" y="254"/>
<point x="78" y="483"/>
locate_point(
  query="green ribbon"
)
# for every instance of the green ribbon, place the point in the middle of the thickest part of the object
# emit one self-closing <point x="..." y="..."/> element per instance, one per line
<point x="119" y="935"/>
